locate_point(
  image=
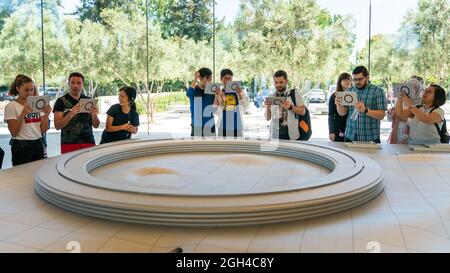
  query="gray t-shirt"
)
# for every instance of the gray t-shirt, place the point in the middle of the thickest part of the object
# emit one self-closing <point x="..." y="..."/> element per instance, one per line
<point x="423" y="133"/>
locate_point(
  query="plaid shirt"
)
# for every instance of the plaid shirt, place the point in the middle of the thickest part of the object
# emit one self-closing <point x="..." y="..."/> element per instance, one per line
<point x="366" y="128"/>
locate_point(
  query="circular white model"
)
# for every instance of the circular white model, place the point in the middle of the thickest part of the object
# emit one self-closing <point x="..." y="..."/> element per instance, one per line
<point x="75" y="182"/>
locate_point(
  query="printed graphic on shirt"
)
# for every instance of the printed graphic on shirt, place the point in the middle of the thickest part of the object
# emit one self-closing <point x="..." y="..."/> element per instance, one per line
<point x="33" y="118"/>
<point x="283" y="113"/>
<point x="230" y="102"/>
<point x="79" y="129"/>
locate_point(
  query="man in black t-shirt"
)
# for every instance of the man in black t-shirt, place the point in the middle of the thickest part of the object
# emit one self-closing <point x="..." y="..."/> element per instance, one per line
<point x="76" y="127"/>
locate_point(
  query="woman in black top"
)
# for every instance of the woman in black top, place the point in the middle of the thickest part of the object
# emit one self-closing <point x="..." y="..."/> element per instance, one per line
<point x="123" y="119"/>
<point x="337" y="123"/>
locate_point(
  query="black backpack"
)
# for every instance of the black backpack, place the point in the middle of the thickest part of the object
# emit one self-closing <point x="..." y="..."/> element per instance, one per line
<point x="304" y="122"/>
<point x="445" y="138"/>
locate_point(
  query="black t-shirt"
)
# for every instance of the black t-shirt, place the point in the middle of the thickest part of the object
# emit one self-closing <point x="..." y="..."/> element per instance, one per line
<point x="79" y="129"/>
<point x="120" y="118"/>
<point x="336" y="123"/>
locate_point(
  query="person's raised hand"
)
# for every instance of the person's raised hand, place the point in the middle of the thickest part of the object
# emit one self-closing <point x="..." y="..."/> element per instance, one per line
<point x="332" y="137"/>
<point x="27" y="110"/>
<point x="47" y="110"/>
<point x="94" y="111"/>
<point x="338" y="101"/>
<point x="75" y="110"/>
<point x="360" y="107"/>
<point x="286" y="105"/>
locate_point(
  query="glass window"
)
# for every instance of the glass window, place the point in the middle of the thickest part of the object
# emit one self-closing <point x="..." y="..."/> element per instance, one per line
<point x="156" y="46"/>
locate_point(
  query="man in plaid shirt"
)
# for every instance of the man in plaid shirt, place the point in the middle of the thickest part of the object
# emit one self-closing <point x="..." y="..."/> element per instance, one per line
<point x="363" y="122"/>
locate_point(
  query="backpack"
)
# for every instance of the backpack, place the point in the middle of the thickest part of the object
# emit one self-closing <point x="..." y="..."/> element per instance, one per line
<point x="304" y="122"/>
<point x="445" y="138"/>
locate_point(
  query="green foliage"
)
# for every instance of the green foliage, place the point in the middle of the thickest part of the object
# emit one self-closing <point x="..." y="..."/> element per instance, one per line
<point x="296" y="36"/>
<point x="17" y="56"/>
<point x="388" y="63"/>
<point x="178" y="18"/>
<point x="431" y="24"/>
<point x="108" y="43"/>
<point x="191" y="19"/>
<point x="8" y="7"/>
<point x="140" y="107"/>
<point x="91" y="9"/>
<point x="422" y="47"/>
<point x="161" y="103"/>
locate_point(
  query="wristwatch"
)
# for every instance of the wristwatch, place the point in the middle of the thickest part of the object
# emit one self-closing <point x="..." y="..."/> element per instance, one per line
<point x="290" y="108"/>
<point x="366" y="111"/>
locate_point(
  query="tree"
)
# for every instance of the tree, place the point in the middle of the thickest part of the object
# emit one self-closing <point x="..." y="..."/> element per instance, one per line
<point x="430" y="22"/>
<point x="191" y="19"/>
<point x="20" y="47"/>
<point x="419" y="48"/>
<point x="127" y="54"/>
<point x="9" y="7"/>
<point x="388" y="63"/>
<point x="85" y="50"/>
<point x="297" y="36"/>
<point x="92" y="9"/>
<point x="178" y="18"/>
<point x="20" y="40"/>
<point x="6" y="9"/>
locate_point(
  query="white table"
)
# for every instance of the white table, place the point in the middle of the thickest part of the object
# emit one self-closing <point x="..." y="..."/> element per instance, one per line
<point x="411" y="215"/>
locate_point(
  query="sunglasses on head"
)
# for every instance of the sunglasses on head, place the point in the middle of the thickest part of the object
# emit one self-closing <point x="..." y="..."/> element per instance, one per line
<point x="417" y="78"/>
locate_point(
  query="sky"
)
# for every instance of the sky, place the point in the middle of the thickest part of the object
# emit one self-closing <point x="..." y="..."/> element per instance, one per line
<point x="386" y="14"/>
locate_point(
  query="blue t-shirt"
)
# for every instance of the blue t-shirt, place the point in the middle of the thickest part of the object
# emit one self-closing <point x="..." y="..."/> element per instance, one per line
<point x="201" y="106"/>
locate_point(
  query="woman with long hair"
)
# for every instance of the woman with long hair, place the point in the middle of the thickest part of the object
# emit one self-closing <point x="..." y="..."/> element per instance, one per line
<point x="123" y="119"/>
<point x="336" y="122"/>
<point x="26" y="127"/>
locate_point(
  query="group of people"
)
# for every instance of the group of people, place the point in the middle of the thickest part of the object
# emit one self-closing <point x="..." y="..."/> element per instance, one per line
<point x="289" y="118"/>
<point x="203" y="106"/>
<point x="412" y="123"/>
<point x="28" y="128"/>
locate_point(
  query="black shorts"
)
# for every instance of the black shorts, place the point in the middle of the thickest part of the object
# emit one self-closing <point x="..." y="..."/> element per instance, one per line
<point x="2" y="155"/>
<point x="230" y="133"/>
<point x="282" y="133"/>
<point x="26" y="151"/>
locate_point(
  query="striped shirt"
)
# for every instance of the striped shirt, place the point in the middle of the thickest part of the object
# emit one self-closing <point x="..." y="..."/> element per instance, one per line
<point x="365" y="128"/>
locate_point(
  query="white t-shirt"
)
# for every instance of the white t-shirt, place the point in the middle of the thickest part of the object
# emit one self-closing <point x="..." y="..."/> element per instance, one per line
<point x="31" y="127"/>
<point x="423" y="133"/>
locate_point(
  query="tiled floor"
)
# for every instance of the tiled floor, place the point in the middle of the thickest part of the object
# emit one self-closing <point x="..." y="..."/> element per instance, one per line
<point x="411" y="215"/>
